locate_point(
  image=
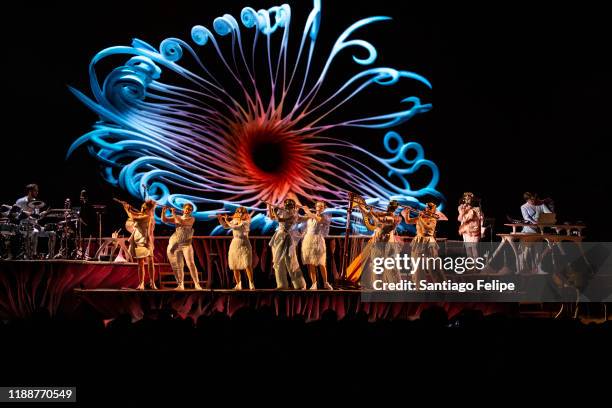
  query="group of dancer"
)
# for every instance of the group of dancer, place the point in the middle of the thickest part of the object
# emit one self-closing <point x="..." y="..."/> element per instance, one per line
<point x="141" y="224"/>
<point x="385" y="242"/>
<point x="287" y="271"/>
<point x="284" y="242"/>
<point x="286" y="237"/>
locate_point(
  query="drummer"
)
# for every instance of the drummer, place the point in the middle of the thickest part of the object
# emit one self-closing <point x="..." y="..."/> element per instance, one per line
<point x="31" y="195"/>
<point x="30" y="205"/>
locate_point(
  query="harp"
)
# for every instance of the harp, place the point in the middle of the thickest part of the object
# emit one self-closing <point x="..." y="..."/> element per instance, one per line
<point x="365" y="210"/>
<point x="354" y="200"/>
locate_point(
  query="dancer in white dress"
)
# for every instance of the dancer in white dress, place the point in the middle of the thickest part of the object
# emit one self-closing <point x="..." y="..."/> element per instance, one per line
<point x="141" y="224"/>
<point x="180" y="250"/>
<point x="240" y="255"/>
<point x="313" y="244"/>
<point x="283" y="244"/>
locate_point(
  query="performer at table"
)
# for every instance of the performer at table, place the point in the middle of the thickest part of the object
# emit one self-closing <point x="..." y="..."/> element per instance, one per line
<point x="283" y="244"/>
<point x="384" y="243"/>
<point x="424" y="244"/>
<point x="142" y="240"/>
<point x="471" y="222"/>
<point x="35" y="231"/>
<point x="240" y="254"/>
<point x="180" y="250"/>
<point x="529" y="257"/>
<point x="313" y="244"/>
<point x="532" y="209"/>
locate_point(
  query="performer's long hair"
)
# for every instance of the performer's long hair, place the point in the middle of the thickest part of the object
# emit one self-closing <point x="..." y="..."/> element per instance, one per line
<point x="322" y="203"/>
<point x="242" y="214"/>
<point x="147" y="206"/>
<point x="392" y="206"/>
<point x="431" y="208"/>
<point x="289" y="204"/>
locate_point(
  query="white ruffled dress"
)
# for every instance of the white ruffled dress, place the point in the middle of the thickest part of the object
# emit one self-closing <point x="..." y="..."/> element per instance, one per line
<point x="240" y="256"/>
<point x="313" y="243"/>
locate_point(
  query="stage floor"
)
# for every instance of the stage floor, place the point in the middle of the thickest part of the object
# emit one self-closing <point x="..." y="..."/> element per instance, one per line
<point x="309" y="305"/>
<point x="63" y="288"/>
<point x="224" y="291"/>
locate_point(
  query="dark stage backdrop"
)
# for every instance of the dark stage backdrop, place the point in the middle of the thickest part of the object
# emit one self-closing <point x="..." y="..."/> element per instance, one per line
<point x="520" y="94"/>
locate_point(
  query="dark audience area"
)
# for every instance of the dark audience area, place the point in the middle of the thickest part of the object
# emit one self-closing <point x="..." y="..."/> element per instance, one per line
<point x="257" y="349"/>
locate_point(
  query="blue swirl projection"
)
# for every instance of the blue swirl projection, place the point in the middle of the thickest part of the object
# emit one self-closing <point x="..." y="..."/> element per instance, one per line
<point x="188" y="122"/>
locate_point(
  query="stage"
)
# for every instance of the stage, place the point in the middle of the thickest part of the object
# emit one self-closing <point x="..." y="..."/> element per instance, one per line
<point x="305" y="304"/>
<point x="67" y="289"/>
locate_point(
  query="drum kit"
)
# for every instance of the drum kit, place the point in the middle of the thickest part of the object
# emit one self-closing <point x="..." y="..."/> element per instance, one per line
<point x="19" y="228"/>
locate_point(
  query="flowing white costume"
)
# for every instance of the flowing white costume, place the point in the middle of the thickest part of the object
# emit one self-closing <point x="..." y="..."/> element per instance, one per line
<point x="141" y="241"/>
<point x="240" y="256"/>
<point x="313" y="243"/>
<point x="284" y="255"/>
<point x="180" y="251"/>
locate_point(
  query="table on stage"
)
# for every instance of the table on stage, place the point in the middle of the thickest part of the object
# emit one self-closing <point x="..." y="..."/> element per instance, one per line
<point x="563" y="233"/>
<point x="566" y="229"/>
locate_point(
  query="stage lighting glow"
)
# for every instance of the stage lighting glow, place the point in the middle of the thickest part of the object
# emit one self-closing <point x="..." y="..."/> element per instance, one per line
<point x="233" y="118"/>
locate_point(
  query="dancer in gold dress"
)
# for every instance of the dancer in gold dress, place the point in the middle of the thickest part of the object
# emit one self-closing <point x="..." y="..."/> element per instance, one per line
<point x="424" y="244"/>
<point x="142" y="240"/>
<point x="384" y="243"/>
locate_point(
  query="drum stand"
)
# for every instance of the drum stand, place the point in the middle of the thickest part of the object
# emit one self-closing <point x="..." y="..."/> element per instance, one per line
<point x="99" y="214"/>
<point x="6" y="250"/>
<point x="78" y="251"/>
<point x="26" y="248"/>
<point x="63" y="251"/>
<point x="26" y="245"/>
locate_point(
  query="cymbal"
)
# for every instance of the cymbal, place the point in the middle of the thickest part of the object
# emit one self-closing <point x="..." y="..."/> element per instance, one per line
<point x="36" y="204"/>
<point x="5" y="207"/>
<point x="74" y="219"/>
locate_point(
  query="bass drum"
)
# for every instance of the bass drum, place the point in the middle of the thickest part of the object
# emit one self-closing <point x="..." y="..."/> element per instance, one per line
<point x="8" y="229"/>
<point x="28" y="225"/>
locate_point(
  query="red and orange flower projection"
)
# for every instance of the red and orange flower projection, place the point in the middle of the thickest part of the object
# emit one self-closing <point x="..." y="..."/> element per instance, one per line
<point x="246" y="124"/>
